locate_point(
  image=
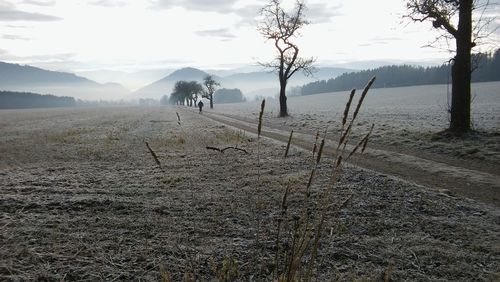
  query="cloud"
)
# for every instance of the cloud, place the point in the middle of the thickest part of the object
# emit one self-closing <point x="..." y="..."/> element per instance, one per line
<point x="14" y="37"/>
<point x="109" y="3"/>
<point x="16" y="26"/>
<point x="58" y="62"/>
<point x="221" y="33"/>
<point x="322" y="13"/>
<point x="39" y="3"/>
<point x="316" y="13"/>
<point x="59" y="57"/>
<point x="380" y="40"/>
<point x="385" y="38"/>
<point x="221" y="6"/>
<point x="248" y="14"/>
<point x="8" y="12"/>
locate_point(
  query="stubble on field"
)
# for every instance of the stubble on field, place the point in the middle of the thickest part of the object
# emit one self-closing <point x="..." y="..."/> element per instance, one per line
<point x="82" y="198"/>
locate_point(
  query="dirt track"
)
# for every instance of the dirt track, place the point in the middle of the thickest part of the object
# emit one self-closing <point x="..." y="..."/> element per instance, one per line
<point x="452" y="176"/>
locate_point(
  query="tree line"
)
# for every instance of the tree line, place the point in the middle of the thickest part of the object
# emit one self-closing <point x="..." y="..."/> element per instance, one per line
<point x="189" y="92"/>
<point x="24" y="100"/>
<point x="487" y="69"/>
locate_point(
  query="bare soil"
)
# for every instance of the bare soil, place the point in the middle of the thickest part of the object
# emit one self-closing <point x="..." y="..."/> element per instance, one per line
<point x="81" y="198"/>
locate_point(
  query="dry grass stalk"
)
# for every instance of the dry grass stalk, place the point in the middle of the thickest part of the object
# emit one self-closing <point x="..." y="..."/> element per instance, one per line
<point x="259" y="128"/>
<point x="154" y="155"/>
<point x="227" y="272"/>
<point x="325" y="195"/>
<point x="165" y="277"/>
<point x="345" y="133"/>
<point x="302" y="230"/>
<point x="178" y="118"/>
<point x="362" y="98"/>
<point x="313" y="171"/>
<point x="283" y="216"/>
<point x="361" y="143"/>
<point x="261" y="114"/>
<point x="315" y="146"/>
<point x="388" y="272"/>
<point x="320" y="151"/>
<point x="298" y="234"/>
<point x="367" y="138"/>
<point x="347" y="108"/>
<point x="288" y="145"/>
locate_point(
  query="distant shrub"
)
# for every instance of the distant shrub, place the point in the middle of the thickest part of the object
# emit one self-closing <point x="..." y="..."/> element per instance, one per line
<point x="225" y="95"/>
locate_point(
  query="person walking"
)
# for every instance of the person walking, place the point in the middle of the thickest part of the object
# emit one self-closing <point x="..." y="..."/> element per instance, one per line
<point x="200" y="105"/>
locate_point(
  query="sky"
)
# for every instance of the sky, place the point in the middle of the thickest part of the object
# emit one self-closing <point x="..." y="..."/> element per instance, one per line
<point x="120" y="35"/>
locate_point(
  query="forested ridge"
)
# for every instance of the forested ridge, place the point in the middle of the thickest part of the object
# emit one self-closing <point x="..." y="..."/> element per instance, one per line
<point x="20" y="100"/>
<point x="488" y="69"/>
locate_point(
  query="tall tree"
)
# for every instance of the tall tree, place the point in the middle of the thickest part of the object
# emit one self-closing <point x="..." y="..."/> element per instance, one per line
<point x="210" y="86"/>
<point x="455" y="18"/>
<point x="281" y="27"/>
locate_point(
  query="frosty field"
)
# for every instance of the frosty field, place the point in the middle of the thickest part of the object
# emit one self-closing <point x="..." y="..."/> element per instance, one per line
<point x="81" y="197"/>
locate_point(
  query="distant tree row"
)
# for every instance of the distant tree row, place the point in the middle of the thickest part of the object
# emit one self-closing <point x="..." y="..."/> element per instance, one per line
<point x="188" y="92"/>
<point x="225" y="95"/>
<point x="23" y="100"/>
<point x="488" y="69"/>
<point x="184" y="93"/>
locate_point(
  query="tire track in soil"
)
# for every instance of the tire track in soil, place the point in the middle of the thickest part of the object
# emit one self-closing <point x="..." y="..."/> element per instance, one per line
<point x="479" y="185"/>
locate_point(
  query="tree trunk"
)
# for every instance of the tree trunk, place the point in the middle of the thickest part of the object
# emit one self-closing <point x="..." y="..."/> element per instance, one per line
<point x="283" y="106"/>
<point x="460" y="121"/>
<point x="211" y="101"/>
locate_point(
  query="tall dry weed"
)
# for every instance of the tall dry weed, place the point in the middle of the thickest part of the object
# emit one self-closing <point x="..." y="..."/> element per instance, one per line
<point x="296" y="256"/>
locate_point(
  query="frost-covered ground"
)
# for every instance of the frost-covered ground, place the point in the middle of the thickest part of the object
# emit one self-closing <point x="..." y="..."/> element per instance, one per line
<point x="405" y="118"/>
<point x="81" y="198"/>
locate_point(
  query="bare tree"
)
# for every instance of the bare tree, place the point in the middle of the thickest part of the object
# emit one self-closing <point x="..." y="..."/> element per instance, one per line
<point x="455" y="18"/>
<point x="210" y="85"/>
<point x="281" y="27"/>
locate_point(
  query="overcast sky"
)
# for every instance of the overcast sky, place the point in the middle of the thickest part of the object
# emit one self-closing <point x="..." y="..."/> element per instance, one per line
<point x="77" y="35"/>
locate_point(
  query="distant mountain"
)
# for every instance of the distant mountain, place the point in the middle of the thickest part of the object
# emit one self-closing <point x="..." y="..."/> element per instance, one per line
<point x="24" y="78"/>
<point x="248" y="82"/>
<point x="165" y="85"/>
<point x="265" y="82"/>
<point x="131" y="80"/>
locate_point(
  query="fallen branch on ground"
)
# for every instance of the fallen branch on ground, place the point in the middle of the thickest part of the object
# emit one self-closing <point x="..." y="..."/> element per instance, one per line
<point x="222" y="150"/>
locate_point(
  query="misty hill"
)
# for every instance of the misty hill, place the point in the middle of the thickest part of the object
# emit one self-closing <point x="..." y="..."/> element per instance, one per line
<point x="18" y="100"/>
<point x="265" y="81"/>
<point x="24" y="78"/>
<point x="165" y="85"/>
<point x="488" y="69"/>
<point x="248" y="82"/>
<point x="131" y="80"/>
